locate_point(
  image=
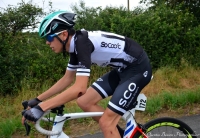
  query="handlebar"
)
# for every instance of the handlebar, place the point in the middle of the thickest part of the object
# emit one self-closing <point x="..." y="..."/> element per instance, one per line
<point x="58" y="110"/>
<point x="42" y="130"/>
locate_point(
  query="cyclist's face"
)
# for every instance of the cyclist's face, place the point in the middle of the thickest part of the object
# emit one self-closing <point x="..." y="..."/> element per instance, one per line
<point x="54" y="43"/>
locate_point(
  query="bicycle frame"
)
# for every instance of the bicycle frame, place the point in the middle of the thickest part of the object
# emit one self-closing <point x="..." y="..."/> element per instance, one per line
<point x="131" y="125"/>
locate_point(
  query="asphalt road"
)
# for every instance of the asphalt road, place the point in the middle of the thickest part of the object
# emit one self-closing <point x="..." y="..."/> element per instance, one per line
<point x="193" y="121"/>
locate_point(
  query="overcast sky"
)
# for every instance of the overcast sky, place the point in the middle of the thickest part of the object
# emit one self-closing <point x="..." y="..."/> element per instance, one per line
<point x="66" y="4"/>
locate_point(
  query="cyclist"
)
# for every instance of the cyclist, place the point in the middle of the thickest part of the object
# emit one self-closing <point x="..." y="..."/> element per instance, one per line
<point x="130" y="74"/>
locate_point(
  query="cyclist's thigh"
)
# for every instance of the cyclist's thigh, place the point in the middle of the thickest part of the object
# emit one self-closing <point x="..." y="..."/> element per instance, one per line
<point x="133" y="80"/>
<point x="106" y="85"/>
<point x="90" y="97"/>
<point x="102" y="88"/>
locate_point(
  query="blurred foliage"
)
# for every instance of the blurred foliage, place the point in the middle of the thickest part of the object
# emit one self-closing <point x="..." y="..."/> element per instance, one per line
<point x="15" y="48"/>
<point x="168" y="34"/>
<point x="192" y="6"/>
<point x="13" y="56"/>
<point x="16" y="19"/>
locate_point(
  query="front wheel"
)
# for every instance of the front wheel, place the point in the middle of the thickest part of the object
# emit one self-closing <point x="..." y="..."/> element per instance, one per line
<point x="166" y="127"/>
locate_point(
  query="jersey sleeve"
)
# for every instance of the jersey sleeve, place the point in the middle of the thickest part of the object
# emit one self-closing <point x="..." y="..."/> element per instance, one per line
<point x="73" y="62"/>
<point x="83" y="50"/>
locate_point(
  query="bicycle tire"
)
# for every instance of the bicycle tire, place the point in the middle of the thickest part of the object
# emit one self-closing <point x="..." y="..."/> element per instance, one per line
<point x="166" y="127"/>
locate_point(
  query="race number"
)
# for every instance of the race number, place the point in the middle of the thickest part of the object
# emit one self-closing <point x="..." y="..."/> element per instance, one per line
<point x="141" y="102"/>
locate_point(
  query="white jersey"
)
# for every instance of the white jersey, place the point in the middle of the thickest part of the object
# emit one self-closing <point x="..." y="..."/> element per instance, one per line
<point x="103" y="49"/>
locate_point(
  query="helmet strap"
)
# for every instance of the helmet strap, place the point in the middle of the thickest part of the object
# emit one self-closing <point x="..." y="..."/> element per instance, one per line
<point x="64" y="44"/>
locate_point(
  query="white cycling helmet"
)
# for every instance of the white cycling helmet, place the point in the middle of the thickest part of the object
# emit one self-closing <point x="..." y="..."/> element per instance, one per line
<point x="54" y="20"/>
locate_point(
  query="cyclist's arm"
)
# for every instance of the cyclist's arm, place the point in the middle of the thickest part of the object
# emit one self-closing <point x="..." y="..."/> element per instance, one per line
<point x="73" y="92"/>
<point x="64" y="82"/>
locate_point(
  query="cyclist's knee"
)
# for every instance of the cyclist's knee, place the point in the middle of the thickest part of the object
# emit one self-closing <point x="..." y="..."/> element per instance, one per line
<point x="103" y="124"/>
<point x="86" y="101"/>
<point x="106" y="126"/>
<point x="109" y="120"/>
<point x="82" y="103"/>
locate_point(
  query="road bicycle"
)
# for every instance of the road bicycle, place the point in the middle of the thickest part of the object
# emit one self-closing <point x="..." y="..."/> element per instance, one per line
<point x="164" y="127"/>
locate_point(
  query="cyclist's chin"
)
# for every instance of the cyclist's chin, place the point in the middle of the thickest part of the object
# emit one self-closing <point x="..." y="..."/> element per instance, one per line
<point x="57" y="51"/>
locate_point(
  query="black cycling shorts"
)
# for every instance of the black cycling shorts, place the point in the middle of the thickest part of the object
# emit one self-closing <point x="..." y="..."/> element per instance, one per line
<point x="124" y="86"/>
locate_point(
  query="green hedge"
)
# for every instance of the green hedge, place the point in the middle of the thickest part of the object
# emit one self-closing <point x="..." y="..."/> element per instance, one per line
<point x="167" y="35"/>
<point x="13" y="64"/>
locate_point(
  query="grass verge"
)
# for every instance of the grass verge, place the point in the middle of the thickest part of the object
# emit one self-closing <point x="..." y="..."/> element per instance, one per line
<point x="170" y="89"/>
<point x="171" y="101"/>
<point x="164" y="100"/>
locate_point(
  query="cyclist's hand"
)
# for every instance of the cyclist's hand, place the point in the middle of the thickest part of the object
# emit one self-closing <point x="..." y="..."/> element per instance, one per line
<point x="33" y="102"/>
<point x="33" y="114"/>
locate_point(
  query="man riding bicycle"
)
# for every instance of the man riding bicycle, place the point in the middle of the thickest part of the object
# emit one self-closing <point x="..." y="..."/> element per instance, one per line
<point x="130" y="74"/>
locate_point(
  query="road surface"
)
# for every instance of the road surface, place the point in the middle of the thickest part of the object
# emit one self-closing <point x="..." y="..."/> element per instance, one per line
<point x="193" y="121"/>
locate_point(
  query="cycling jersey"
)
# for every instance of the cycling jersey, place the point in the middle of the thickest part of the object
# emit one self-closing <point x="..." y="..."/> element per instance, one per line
<point x="103" y="49"/>
<point x="132" y="67"/>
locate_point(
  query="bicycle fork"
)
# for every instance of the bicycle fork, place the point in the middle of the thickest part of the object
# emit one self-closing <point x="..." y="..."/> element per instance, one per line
<point x="57" y="126"/>
<point x="132" y="127"/>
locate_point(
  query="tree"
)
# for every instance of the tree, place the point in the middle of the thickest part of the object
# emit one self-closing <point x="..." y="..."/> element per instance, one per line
<point x="16" y="19"/>
<point x="14" y="45"/>
<point x="193" y="6"/>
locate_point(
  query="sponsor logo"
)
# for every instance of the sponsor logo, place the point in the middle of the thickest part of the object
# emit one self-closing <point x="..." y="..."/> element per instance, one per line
<point x="127" y="94"/>
<point x="99" y="79"/>
<point x="145" y="74"/>
<point x="81" y="65"/>
<point x="55" y="26"/>
<point x="110" y="45"/>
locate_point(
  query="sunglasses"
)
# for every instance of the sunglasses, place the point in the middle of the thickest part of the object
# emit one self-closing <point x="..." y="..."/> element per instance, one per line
<point x="49" y="38"/>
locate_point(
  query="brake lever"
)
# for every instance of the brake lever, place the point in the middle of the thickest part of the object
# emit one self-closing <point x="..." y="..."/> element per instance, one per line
<point x="25" y="104"/>
<point x="27" y="126"/>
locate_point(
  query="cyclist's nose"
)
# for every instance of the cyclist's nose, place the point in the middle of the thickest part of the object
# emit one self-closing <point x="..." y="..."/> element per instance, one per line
<point x="48" y="43"/>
